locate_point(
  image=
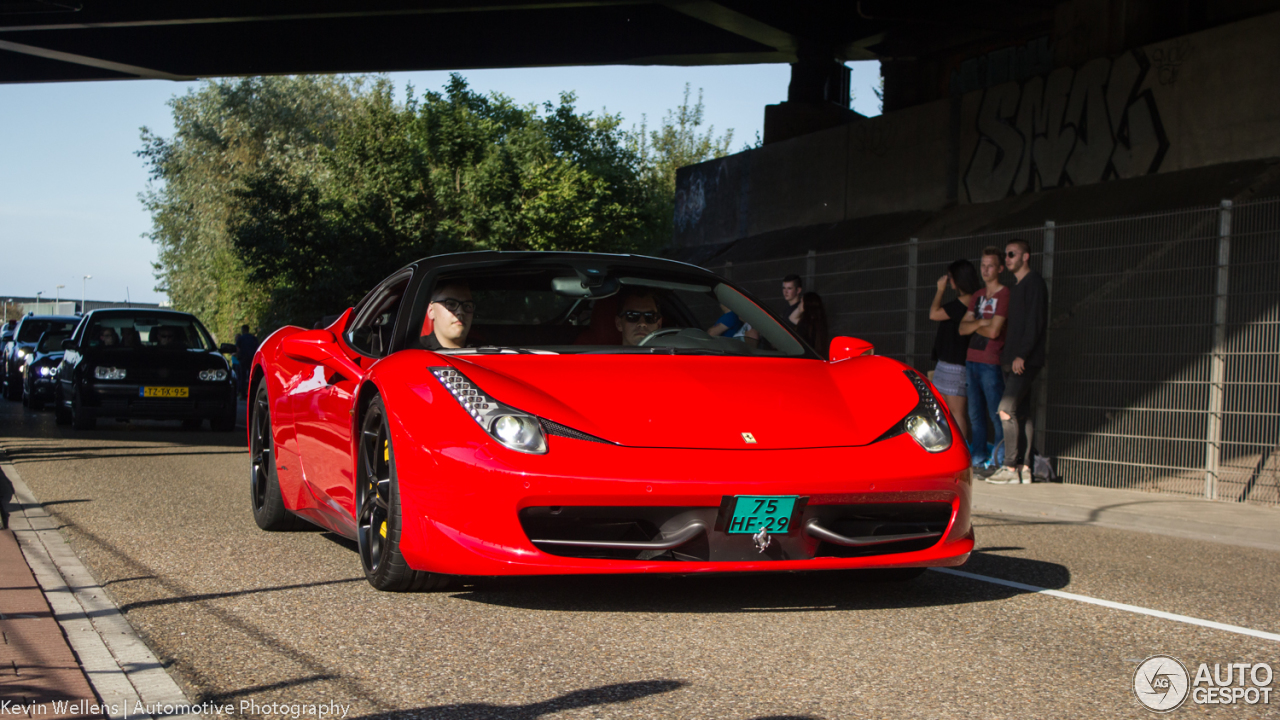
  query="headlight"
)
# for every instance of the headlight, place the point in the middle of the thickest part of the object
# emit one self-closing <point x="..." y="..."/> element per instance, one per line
<point x="926" y="423"/>
<point x="213" y="375"/>
<point x="46" y="370"/>
<point x="108" y="373"/>
<point x="23" y="352"/>
<point x="513" y="428"/>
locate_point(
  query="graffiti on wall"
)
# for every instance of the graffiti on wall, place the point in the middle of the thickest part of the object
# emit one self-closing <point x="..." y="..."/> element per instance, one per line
<point x="1071" y="127"/>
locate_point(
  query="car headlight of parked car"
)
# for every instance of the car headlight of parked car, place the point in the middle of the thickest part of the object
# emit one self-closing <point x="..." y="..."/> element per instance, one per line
<point x="213" y="375"/>
<point x="927" y="422"/>
<point x="103" y="372"/>
<point x="513" y="428"/>
<point x="45" y="370"/>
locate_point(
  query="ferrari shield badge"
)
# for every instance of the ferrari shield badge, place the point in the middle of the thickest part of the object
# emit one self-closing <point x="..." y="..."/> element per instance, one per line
<point x="748" y="438"/>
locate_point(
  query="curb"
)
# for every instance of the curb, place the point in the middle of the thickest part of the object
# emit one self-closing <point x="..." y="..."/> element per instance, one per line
<point x="1116" y="517"/>
<point x="121" y="668"/>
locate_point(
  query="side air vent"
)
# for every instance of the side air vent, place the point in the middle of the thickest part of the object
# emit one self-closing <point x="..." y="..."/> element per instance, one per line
<point x="555" y="428"/>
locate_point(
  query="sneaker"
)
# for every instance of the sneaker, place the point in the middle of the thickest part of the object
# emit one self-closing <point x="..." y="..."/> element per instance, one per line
<point x="1025" y="475"/>
<point x="1004" y="476"/>
<point x="983" y="470"/>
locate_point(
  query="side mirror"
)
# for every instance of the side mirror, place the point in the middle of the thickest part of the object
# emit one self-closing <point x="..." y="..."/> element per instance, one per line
<point x="70" y="344"/>
<point x="320" y="347"/>
<point x="227" y="349"/>
<point x="843" y="348"/>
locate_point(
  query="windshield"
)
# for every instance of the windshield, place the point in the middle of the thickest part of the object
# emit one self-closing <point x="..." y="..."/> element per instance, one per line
<point x="31" y="330"/>
<point x="52" y="342"/>
<point x="602" y="308"/>
<point x="165" y="332"/>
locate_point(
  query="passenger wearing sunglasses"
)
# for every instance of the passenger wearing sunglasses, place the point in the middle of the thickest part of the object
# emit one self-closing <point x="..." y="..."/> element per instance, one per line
<point x="638" y="315"/>
<point x="451" y="312"/>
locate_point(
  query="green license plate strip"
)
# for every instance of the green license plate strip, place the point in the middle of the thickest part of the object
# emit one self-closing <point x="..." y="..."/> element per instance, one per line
<point x="753" y="513"/>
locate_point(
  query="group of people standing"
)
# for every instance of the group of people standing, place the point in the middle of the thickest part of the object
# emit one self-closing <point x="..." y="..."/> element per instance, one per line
<point x="989" y="349"/>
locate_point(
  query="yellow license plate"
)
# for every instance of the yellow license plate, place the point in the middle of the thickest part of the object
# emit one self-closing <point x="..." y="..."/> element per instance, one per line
<point x="163" y="392"/>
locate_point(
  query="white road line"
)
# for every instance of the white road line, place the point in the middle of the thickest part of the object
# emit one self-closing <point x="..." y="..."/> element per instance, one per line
<point x="1114" y="605"/>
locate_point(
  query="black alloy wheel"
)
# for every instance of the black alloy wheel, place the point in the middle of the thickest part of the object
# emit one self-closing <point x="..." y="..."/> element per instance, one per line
<point x="264" y="482"/>
<point x="378" y="523"/>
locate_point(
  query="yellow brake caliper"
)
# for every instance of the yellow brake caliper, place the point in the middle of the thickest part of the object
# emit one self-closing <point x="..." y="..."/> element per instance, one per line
<point x="386" y="457"/>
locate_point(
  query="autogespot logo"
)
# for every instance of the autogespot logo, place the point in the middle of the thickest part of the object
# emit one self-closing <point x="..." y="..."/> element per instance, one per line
<point x="1161" y="683"/>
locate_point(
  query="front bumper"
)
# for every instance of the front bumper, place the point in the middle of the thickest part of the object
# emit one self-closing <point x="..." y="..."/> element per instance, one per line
<point x="42" y="388"/>
<point x="471" y="509"/>
<point x="122" y="400"/>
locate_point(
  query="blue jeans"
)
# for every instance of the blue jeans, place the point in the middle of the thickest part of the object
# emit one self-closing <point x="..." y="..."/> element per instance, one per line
<point x="986" y="385"/>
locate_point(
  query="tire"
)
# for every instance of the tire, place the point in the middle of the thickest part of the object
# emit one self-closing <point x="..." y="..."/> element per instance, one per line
<point x="11" y="389"/>
<point x="61" y="415"/>
<point x="378" y="520"/>
<point x="81" y="417"/>
<point x="268" y="506"/>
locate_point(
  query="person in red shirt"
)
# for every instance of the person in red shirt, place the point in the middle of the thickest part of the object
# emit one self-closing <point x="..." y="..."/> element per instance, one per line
<point x="984" y="322"/>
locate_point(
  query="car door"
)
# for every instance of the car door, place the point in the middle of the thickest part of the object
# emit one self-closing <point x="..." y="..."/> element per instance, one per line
<point x="323" y="403"/>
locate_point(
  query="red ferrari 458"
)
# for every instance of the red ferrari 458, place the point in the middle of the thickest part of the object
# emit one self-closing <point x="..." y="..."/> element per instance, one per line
<point x="555" y="413"/>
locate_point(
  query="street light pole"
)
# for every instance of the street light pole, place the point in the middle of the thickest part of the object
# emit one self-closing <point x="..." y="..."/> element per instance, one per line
<point x="57" y="296"/>
<point x="85" y="279"/>
<point x="38" y="294"/>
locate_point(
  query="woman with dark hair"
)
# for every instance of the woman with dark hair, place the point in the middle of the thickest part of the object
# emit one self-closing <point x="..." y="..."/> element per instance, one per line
<point x="813" y="322"/>
<point x="949" y="347"/>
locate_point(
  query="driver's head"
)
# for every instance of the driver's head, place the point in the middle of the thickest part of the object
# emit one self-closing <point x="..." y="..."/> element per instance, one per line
<point x="451" y="312"/>
<point x="108" y="337"/>
<point x="166" y="337"/>
<point x="638" y="315"/>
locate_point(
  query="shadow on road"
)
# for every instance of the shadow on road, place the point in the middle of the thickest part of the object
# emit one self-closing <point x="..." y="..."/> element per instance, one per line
<point x="604" y="695"/>
<point x="763" y="592"/>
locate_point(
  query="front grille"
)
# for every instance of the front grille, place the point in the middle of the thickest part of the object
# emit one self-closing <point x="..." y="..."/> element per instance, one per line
<point x="650" y="524"/>
<point x="612" y="524"/>
<point x="871" y="519"/>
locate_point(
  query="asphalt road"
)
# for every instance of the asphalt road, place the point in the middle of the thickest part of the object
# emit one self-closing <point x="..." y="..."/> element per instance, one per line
<point x="161" y="516"/>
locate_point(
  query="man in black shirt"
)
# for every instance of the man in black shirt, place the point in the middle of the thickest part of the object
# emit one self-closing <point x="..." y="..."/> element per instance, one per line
<point x="1022" y="358"/>
<point x="792" y="292"/>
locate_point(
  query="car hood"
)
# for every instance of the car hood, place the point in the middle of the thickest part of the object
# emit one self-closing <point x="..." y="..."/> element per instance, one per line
<point x="673" y="401"/>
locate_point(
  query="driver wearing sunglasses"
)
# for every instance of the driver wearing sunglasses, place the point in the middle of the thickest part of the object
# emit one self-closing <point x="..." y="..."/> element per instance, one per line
<point x="638" y="315"/>
<point x="451" y="312"/>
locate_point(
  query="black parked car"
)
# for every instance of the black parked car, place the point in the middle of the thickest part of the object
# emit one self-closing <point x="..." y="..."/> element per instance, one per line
<point x="25" y="337"/>
<point x="155" y="364"/>
<point x="40" y="369"/>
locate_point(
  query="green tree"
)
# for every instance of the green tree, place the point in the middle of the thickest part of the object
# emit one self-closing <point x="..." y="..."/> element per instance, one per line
<point x="225" y="131"/>
<point x="677" y="142"/>
<point x="279" y="200"/>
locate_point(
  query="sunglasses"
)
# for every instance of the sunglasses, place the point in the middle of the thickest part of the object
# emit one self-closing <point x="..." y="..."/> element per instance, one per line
<point x="1012" y="253"/>
<point x="633" y="316"/>
<point x="454" y="306"/>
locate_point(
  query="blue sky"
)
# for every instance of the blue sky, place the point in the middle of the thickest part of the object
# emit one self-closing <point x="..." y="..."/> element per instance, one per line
<point x="69" y="179"/>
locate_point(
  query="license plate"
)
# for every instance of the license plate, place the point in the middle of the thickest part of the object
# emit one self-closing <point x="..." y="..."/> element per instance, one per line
<point x="753" y="513"/>
<point x="163" y="392"/>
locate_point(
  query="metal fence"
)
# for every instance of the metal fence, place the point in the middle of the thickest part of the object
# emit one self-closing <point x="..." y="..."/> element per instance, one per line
<point x="1163" y="340"/>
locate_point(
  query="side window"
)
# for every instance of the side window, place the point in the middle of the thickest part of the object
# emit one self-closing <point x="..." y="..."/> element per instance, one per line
<point x="370" y="332"/>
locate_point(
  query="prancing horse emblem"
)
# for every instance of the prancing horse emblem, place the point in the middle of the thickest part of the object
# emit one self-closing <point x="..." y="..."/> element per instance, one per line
<point x="748" y="438"/>
<point x="762" y="540"/>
